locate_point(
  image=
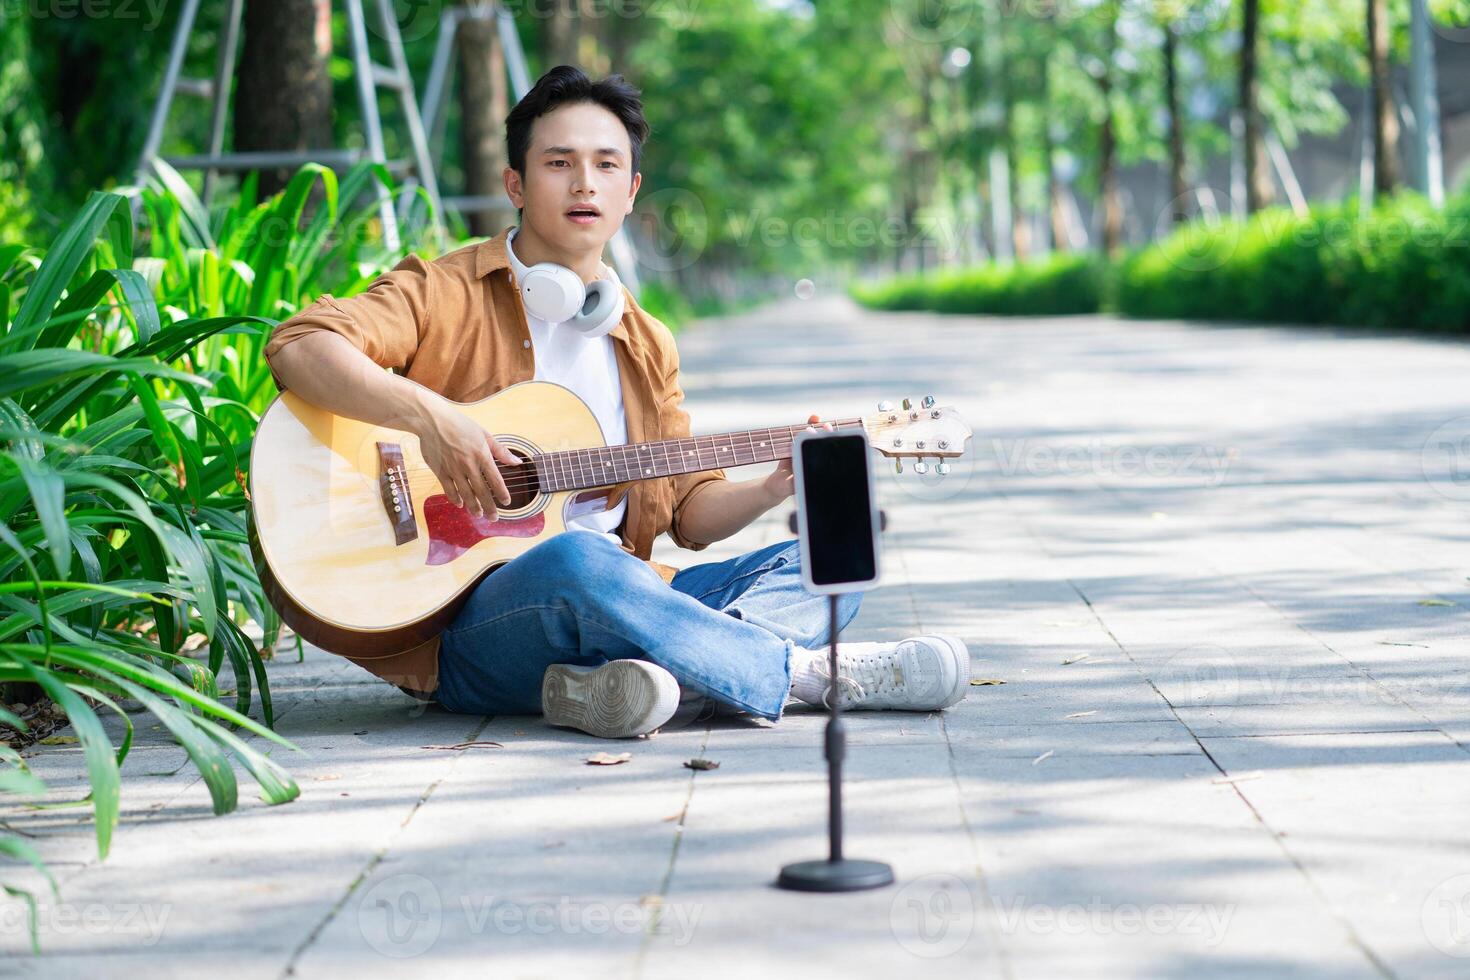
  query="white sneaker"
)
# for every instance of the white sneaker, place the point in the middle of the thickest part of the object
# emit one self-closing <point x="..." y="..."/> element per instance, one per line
<point x="921" y="673"/>
<point x="620" y="699"/>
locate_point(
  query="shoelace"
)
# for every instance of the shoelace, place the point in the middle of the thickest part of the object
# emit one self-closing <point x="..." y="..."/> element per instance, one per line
<point x="858" y="676"/>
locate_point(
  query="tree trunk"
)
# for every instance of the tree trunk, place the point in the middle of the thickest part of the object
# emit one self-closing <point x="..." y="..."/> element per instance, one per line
<point x="1055" y="212"/>
<point x="1259" y="190"/>
<point x="1107" y="170"/>
<point x="1178" y="188"/>
<point x="482" y="109"/>
<point x="620" y="35"/>
<point x="591" y="36"/>
<point x="283" y="94"/>
<point x="1385" y="118"/>
<point x="559" y="34"/>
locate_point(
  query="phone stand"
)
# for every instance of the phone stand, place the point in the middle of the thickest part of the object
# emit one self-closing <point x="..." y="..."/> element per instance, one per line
<point x="836" y="873"/>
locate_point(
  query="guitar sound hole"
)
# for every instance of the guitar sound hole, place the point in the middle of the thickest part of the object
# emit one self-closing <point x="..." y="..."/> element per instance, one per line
<point x="520" y="480"/>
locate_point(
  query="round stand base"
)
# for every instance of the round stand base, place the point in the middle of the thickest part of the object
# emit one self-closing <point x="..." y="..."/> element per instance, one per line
<point x="847" y="875"/>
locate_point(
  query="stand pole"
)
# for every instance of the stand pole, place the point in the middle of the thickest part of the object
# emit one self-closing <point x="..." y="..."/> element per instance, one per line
<point x="836" y="873"/>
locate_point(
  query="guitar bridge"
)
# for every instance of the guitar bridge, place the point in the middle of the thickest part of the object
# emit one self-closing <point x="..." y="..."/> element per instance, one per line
<point x="397" y="498"/>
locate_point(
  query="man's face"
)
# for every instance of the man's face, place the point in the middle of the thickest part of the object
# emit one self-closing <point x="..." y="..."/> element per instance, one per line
<point x="579" y="155"/>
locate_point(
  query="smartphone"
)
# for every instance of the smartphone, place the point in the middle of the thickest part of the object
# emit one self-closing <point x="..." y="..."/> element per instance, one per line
<point x="836" y="511"/>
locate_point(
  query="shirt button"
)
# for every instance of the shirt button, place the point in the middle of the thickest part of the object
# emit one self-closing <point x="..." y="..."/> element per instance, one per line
<point x="525" y="343"/>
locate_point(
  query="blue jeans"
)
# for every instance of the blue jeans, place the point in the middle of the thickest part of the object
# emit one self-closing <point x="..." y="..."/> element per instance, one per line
<point x="725" y="629"/>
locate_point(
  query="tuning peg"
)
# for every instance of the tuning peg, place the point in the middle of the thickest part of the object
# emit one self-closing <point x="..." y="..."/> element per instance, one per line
<point x="928" y="401"/>
<point x="907" y="404"/>
<point x="921" y="467"/>
<point x="898" y="466"/>
<point x="885" y="406"/>
<point x="942" y="469"/>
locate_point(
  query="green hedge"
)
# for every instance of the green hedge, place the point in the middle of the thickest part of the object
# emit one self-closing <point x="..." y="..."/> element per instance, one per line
<point x="1057" y="285"/>
<point x="1404" y="266"/>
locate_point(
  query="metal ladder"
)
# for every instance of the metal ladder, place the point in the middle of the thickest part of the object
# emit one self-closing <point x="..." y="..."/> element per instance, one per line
<point x="369" y="76"/>
<point x="436" y="92"/>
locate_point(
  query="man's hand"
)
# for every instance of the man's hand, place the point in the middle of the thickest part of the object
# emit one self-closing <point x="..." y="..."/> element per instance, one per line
<point x="463" y="457"/>
<point x="782" y="482"/>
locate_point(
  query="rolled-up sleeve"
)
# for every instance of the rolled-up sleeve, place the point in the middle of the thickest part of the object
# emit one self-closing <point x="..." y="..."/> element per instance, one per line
<point x="385" y="322"/>
<point x="674" y="424"/>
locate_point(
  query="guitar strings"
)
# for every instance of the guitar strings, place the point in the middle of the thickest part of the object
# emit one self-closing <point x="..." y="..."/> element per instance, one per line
<point x="532" y="480"/>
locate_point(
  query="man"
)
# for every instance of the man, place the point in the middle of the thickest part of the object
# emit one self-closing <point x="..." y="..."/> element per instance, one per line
<point x="583" y="627"/>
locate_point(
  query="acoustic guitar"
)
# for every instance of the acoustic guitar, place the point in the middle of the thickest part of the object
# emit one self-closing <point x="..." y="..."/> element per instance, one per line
<point x="362" y="554"/>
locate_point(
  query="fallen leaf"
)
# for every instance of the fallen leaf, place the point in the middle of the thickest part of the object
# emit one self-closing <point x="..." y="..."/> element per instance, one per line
<point x="1080" y="714"/>
<point x="985" y="681"/>
<point x="1243" y="777"/>
<point x="701" y="764"/>
<point x="671" y="817"/>
<point x="363" y="732"/>
<point x="1435" y="602"/>
<point x="461" y="746"/>
<point x="326" y="777"/>
<point x="1077" y="659"/>
<point x="59" y="740"/>
<point x="1044" y="756"/>
<point x="548" y="844"/>
<point x="1391" y="643"/>
<point x="607" y="759"/>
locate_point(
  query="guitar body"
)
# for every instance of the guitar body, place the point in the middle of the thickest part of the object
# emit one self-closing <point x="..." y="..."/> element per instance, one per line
<point x="354" y="576"/>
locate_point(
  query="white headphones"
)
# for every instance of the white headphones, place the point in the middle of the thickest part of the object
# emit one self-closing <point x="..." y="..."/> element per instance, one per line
<point x="556" y="294"/>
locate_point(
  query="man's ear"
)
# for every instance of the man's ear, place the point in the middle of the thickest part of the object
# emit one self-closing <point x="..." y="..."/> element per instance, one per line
<point x="513" y="186"/>
<point x="633" y="191"/>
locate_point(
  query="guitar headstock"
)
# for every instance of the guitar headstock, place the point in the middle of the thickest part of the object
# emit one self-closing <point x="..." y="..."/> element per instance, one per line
<point x="917" y="431"/>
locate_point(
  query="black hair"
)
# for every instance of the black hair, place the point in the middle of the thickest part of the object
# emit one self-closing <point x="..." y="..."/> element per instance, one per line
<point x="568" y="85"/>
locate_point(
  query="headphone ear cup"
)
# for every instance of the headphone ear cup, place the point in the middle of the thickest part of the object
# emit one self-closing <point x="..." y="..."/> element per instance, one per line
<point x="552" y="292"/>
<point x="602" y="310"/>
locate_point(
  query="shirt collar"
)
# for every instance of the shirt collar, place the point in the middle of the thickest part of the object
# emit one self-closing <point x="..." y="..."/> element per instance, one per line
<point x="496" y="254"/>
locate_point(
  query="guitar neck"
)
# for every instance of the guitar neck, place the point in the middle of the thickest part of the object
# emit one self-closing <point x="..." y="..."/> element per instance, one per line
<point x="605" y="466"/>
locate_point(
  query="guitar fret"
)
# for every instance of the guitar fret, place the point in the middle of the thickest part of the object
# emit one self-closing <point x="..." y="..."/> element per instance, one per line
<point x="604" y="466"/>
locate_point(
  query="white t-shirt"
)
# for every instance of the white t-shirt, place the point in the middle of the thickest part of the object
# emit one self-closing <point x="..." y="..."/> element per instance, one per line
<point x="589" y="367"/>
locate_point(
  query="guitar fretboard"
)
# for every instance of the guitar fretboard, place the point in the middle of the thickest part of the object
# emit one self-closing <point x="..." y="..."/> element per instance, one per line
<point x="582" y="469"/>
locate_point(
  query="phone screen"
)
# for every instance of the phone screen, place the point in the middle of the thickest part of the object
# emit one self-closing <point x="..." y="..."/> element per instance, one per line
<point x="838" y="509"/>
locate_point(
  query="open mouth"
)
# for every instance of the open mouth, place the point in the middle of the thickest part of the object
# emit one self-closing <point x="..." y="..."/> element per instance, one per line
<point x="583" y="216"/>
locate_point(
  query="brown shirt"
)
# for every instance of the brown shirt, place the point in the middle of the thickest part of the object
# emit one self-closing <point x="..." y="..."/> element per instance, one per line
<point x="456" y="325"/>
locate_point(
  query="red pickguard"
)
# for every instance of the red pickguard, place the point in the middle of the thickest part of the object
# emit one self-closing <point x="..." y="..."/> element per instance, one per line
<point x="454" y="530"/>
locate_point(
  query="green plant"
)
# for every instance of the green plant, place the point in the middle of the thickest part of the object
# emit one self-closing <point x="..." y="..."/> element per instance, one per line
<point x="1058" y="285"/>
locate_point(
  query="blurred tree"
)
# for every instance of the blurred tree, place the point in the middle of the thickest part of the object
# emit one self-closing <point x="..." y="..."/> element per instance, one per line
<point x="484" y="101"/>
<point x="1385" y="120"/>
<point x="1259" y="191"/>
<point x="283" y="94"/>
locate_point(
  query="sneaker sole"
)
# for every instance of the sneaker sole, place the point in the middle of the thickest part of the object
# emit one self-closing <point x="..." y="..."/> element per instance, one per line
<point x="620" y="699"/>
